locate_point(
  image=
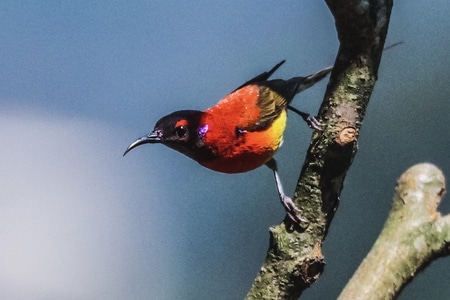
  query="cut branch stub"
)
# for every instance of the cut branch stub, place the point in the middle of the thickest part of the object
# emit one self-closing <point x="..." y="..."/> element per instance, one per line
<point x="346" y="135"/>
<point x="414" y="234"/>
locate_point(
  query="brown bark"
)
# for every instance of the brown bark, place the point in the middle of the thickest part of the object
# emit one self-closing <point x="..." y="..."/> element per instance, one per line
<point x="414" y="234"/>
<point x="294" y="260"/>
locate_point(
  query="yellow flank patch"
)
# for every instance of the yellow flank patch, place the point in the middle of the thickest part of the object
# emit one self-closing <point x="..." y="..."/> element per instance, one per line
<point x="277" y="129"/>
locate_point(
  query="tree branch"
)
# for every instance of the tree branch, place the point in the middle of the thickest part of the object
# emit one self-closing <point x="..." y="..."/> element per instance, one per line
<point x="414" y="234"/>
<point x="294" y="260"/>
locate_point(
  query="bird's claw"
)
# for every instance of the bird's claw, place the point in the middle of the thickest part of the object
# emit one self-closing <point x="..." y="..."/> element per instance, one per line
<point x="310" y="120"/>
<point x="313" y="123"/>
<point x="292" y="211"/>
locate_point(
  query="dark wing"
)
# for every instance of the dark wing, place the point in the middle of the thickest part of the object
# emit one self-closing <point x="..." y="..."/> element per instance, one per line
<point x="275" y="95"/>
<point x="263" y="76"/>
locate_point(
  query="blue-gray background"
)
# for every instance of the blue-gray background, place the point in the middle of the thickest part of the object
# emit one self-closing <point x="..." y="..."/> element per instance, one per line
<point x="80" y="80"/>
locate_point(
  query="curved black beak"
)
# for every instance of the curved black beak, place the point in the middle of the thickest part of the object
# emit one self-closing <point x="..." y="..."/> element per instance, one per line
<point x="152" y="138"/>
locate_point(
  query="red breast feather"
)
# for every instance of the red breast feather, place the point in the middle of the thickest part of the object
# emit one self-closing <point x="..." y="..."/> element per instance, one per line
<point x="236" y="149"/>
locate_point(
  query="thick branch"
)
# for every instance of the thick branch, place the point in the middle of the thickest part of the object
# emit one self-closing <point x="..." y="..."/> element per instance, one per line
<point x="414" y="234"/>
<point x="294" y="259"/>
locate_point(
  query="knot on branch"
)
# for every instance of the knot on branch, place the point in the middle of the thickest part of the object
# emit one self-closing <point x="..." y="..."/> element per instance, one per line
<point x="312" y="269"/>
<point x="346" y="135"/>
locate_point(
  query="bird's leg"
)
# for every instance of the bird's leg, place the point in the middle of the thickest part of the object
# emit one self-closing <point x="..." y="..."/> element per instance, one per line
<point x="286" y="201"/>
<point x="310" y="120"/>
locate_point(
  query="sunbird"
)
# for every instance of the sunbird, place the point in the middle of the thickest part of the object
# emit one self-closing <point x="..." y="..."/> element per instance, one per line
<point x="241" y="132"/>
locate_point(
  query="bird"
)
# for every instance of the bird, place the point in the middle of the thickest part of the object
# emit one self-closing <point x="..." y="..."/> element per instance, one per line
<point x="241" y="132"/>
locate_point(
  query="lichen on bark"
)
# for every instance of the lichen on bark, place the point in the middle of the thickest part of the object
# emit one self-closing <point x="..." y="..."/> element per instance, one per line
<point x="294" y="260"/>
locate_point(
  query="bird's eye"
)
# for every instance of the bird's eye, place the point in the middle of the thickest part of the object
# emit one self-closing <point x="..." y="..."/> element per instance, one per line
<point x="181" y="131"/>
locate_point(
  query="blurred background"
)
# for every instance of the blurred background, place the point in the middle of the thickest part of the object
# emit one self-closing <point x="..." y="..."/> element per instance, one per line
<point x="81" y="80"/>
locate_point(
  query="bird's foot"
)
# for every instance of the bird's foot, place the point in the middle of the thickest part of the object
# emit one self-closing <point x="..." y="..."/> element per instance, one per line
<point x="310" y="120"/>
<point x="292" y="211"/>
<point x="313" y="122"/>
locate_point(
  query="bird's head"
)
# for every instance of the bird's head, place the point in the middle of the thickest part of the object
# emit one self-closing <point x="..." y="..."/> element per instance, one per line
<point x="179" y="130"/>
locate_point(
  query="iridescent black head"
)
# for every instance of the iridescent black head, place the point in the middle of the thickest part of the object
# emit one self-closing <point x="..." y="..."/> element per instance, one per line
<point x="178" y="130"/>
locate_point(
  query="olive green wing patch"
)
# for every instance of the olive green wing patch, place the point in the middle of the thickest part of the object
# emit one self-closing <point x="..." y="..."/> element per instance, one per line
<point x="271" y="105"/>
